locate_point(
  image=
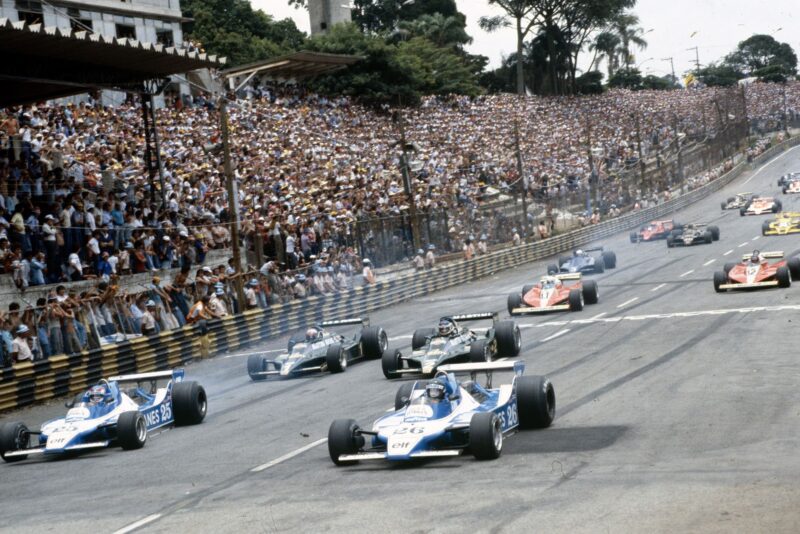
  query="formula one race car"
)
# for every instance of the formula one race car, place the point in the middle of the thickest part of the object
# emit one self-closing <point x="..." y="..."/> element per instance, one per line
<point x="106" y="414"/>
<point x="734" y="203"/>
<point x="582" y="262"/>
<point x="784" y="223"/>
<point x="551" y="294"/>
<point x="445" y="417"/>
<point x="317" y="349"/>
<point x="451" y="343"/>
<point x="756" y="272"/>
<point x="786" y="178"/>
<point x="692" y="234"/>
<point x="760" y="206"/>
<point x="792" y="187"/>
<point x="653" y="230"/>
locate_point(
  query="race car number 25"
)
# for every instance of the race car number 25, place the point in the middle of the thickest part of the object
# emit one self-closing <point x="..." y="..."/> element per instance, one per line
<point x="159" y="415"/>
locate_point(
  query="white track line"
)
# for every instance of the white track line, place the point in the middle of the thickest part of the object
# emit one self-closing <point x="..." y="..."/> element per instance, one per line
<point x="687" y="273"/>
<point x="289" y="456"/>
<point x="557" y="334"/>
<point x="743" y="244"/>
<point x="709" y="262"/>
<point x="598" y="315"/>
<point x="768" y="164"/>
<point x="634" y="299"/>
<point x="395" y="338"/>
<point x="726" y="253"/>
<point x="138" y="524"/>
<point x="659" y="286"/>
<point x="251" y="353"/>
<point x="526" y="325"/>
<point x="756" y="238"/>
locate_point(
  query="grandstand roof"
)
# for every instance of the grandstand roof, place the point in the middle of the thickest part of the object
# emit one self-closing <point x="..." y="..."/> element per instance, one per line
<point x="39" y="63"/>
<point x="297" y="65"/>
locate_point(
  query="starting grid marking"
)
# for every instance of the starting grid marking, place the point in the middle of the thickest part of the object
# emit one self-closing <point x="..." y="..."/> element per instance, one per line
<point x="699" y="313"/>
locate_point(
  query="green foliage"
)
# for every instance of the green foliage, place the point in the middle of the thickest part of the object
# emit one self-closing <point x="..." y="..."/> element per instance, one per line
<point x="657" y="82"/>
<point x="719" y="75"/>
<point x="233" y="29"/>
<point x="759" y="52"/>
<point x="589" y="83"/>
<point x="628" y="78"/>
<point x="772" y="73"/>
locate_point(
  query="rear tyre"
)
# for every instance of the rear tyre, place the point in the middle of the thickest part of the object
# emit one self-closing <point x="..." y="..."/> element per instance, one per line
<point x="420" y="337"/>
<point x="374" y="342"/>
<point x="575" y="300"/>
<point x="552" y="269"/>
<point x="509" y="338"/>
<point x="131" y="430"/>
<point x="794" y="267"/>
<point x="255" y="364"/>
<point x="719" y="279"/>
<point x="336" y="358"/>
<point x="514" y="301"/>
<point x="563" y="259"/>
<point x="390" y="363"/>
<point x="189" y="402"/>
<point x="343" y="438"/>
<point x="403" y="395"/>
<point x="527" y="288"/>
<point x="485" y="436"/>
<point x="591" y="293"/>
<point x="783" y="276"/>
<point x="742" y="211"/>
<point x="777" y="206"/>
<point x="708" y="237"/>
<point x="764" y="227"/>
<point x="13" y="437"/>
<point x="610" y="259"/>
<point x="536" y="402"/>
<point x="479" y="351"/>
<point x="634" y="237"/>
<point x="670" y="241"/>
<point x="728" y="266"/>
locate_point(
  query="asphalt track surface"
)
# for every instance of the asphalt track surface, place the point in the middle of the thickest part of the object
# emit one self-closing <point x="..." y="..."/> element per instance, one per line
<point x="678" y="409"/>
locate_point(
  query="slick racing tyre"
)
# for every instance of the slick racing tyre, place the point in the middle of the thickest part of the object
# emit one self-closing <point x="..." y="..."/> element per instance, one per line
<point x="794" y="267"/>
<point x="783" y="276"/>
<point x="344" y="438"/>
<point x="562" y="260"/>
<point x="374" y="342"/>
<point x="708" y="237"/>
<point x="390" y="363"/>
<point x="714" y="232"/>
<point x="403" y="395"/>
<point x="131" y="430"/>
<point x="670" y="241"/>
<point x="634" y="237"/>
<point x="509" y="338"/>
<point x="13" y="437"/>
<point x="764" y="227"/>
<point x="255" y="364"/>
<point x="527" y="288"/>
<point x="719" y="279"/>
<point x="599" y="265"/>
<point x="728" y="266"/>
<point x="514" y="301"/>
<point x="336" y="358"/>
<point x="536" y="402"/>
<point x="189" y="402"/>
<point x="420" y="337"/>
<point x="480" y="351"/>
<point x="777" y="206"/>
<point x="552" y="269"/>
<point x="575" y="300"/>
<point x="609" y="259"/>
<point x="485" y="436"/>
<point x="591" y="293"/>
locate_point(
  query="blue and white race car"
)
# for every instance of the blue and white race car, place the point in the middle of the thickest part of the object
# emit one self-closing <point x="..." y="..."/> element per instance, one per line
<point x="444" y="416"/>
<point x="582" y="262"/>
<point x="106" y="414"/>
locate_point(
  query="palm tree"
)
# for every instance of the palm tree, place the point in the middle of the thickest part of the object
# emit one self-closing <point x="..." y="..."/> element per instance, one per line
<point x="606" y="46"/>
<point x="441" y="30"/>
<point x="626" y="27"/>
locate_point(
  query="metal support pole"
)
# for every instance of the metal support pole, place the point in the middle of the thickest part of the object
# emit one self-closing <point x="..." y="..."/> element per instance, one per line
<point x="785" y="123"/>
<point x="233" y="198"/>
<point x="157" y="146"/>
<point x="593" y="178"/>
<point x="412" y="205"/>
<point x="148" y="149"/>
<point x="523" y="182"/>
<point x="680" y="150"/>
<point x="639" y="149"/>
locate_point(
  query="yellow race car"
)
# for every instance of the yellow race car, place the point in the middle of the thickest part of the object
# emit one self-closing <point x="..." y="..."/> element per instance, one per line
<point x="784" y="223"/>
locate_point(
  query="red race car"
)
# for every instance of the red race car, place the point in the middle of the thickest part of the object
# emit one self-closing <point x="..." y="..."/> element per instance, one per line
<point x="552" y="294"/>
<point x="654" y="230"/>
<point x="756" y="272"/>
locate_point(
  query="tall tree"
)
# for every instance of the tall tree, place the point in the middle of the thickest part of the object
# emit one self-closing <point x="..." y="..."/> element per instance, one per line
<point x="626" y="26"/>
<point x="605" y="47"/>
<point x="443" y="31"/>
<point x="525" y="17"/>
<point x="759" y="52"/>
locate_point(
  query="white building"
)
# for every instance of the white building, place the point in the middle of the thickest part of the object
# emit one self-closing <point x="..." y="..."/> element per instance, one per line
<point x="327" y="13"/>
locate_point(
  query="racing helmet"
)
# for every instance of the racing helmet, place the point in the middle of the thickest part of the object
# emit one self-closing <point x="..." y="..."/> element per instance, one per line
<point x="580" y="252"/>
<point x="435" y="391"/>
<point x="97" y="395"/>
<point x="312" y="334"/>
<point x="756" y="257"/>
<point x="549" y="282"/>
<point x="447" y="326"/>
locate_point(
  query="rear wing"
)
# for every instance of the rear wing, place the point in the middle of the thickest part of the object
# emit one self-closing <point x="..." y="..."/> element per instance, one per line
<point x="363" y="321"/>
<point x="472" y="369"/>
<point x="595" y="249"/>
<point x="475" y="316"/>
<point x="568" y="276"/>
<point x="767" y="255"/>
<point x="175" y="374"/>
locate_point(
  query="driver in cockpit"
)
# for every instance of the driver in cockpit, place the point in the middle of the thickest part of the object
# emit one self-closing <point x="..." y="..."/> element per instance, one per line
<point x="549" y="282"/>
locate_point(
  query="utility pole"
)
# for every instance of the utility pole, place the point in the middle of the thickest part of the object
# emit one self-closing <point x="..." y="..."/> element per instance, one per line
<point x="233" y="200"/>
<point x="523" y="182"/>
<point x="680" y="150"/>
<point x="696" y="58"/>
<point x="672" y="66"/>
<point x="412" y="205"/>
<point x="639" y="149"/>
<point x="594" y="177"/>
<point x="785" y="118"/>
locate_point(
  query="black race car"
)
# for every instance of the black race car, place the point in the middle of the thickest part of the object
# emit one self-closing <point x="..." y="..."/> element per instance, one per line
<point x="692" y="234"/>
<point x="315" y="349"/>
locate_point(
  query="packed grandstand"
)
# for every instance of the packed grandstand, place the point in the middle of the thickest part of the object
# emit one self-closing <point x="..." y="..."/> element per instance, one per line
<point x="314" y="176"/>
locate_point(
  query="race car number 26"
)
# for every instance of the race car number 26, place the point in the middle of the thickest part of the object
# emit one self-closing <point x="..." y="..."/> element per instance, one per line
<point x="509" y="417"/>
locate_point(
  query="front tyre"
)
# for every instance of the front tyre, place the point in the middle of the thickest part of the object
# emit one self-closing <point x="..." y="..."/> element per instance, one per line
<point x="131" y="430"/>
<point x="536" y="402"/>
<point x="189" y="403"/>
<point x="343" y="438"/>
<point x="591" y="293"/>
<point x="610" y="259"/>
<point x="255" y="365"/>
<point x="509" y="338"/>
<point x="514" y="302"/>
<point x="374" y="342"/>
<point x="485" y="436"/>
<point x="479" y="351"/>
<point x="720" y="278"/>
<point x="403" y="395"/>
<point x="575" y="300"/>
<point x="336" y="358"/>
<point x="390" y="363"/>
<point x="420" y="337"/>
<point x="784" y="277"/>
<point x="13" y="437"/>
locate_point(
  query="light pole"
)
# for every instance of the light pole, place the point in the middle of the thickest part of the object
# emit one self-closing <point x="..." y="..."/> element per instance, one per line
<point x="672" y="67"/>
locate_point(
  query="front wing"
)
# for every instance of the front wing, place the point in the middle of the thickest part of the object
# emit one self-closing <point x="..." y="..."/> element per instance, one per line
<point x="770" y="283"/>
<point x="525" y="310"/>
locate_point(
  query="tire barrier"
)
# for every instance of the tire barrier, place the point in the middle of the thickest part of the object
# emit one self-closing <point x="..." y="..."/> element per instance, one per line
<point x="63" y="375"/>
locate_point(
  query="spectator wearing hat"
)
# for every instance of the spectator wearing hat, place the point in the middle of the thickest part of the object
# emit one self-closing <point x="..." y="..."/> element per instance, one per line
<point x="148" y="319"/>
<point x="20" y="347"/>
<point x="368" y="273"/>
<point x="482" y="246"/>
<point x="418" y="262"/>
<point x="216" y="303"/>
<point x="250" y="297"/>
<point x="430" y="257"/>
